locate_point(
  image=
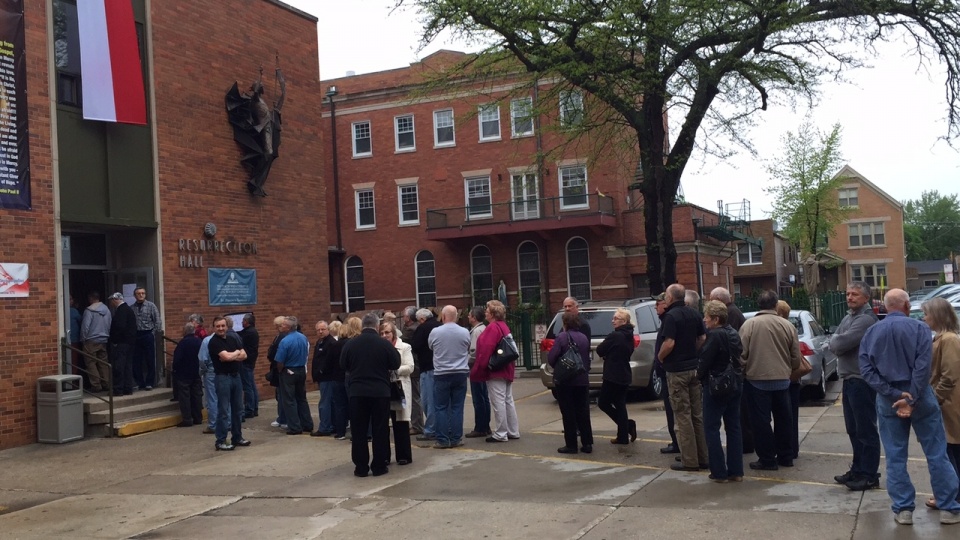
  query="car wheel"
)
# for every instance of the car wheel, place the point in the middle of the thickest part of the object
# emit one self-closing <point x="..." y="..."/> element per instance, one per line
<point x="655" y="388"/>
<point x="820" y="391"/>
<point x="554" y="392"/>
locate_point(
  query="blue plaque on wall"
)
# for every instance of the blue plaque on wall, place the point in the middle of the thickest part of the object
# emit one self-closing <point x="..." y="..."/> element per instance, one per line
<point x="232" y="286"/>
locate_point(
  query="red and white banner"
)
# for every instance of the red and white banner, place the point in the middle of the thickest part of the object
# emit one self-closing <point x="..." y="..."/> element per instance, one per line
<point x="112" y="79"/>
<point x="14" y="280"/>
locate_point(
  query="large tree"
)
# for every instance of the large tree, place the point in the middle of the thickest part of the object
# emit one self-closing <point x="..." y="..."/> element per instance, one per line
<point x="932" y="226"/>
<point x="805" y="198"/>
<point x="708" y="64"/>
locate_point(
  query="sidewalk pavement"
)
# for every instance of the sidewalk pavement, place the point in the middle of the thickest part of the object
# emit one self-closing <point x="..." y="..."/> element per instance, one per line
<point x="172" y="484"/>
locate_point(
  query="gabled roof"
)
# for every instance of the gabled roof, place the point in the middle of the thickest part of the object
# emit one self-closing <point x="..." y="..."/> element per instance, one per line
<point x="848" y="171"/>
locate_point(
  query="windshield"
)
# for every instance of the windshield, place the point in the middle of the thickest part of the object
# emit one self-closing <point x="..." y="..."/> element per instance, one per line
<point x="601" y="323"/>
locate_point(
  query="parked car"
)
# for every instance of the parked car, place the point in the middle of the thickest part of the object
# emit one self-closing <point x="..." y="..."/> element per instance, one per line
<point x="599" y="315"/>
<point x="920" y="294"/>
<point x="813" y="346"/>
<point x="917" y="312"/>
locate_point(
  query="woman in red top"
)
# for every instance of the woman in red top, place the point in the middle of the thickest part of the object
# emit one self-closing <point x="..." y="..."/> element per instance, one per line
<point x="500" y="382"/>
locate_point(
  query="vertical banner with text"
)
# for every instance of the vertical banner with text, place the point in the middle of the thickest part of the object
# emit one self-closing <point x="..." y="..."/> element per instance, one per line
<point x="14" y="136"/>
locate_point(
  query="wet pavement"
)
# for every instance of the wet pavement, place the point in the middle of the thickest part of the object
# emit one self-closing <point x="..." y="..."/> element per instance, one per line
<point x="172" y="484"/>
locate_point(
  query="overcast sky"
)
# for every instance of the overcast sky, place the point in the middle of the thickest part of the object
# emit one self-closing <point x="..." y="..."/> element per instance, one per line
<point x="892" y="114"/>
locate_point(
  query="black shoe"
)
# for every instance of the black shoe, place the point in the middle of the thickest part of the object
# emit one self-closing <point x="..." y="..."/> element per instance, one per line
<point x="680" y="467"/>
<point x="362" y="474"/>
<point x="320" y="434"/>
<point x="241" y="442"/>
<point x="291" y="432"/>
<point x="567" y="450"/>
<point x="678" y="458"/>
<point x="223" y="446"/>
<point x="403" y="462"/>
<point x="185" y="424"/>
<point x="381" y="472"/>
<point x="844" y="478"/>
<point x="785" y="462"/>
<point x="760" y="466"/>
<point x="587" y="449"/>
<point x="633" y="430"/>
<point x="863" y="483"/>
<point x="704" y="466"/>
<point x="670" y="449"/>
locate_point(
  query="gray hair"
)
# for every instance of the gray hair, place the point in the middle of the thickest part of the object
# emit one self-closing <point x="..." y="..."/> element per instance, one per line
<point x="250" y="319"/>
<point x="692" y="299"/>
<point x="195" y="317"/>
<point x="189" y="329"/>
<point x="410" y="312"/>
<point x="676" y="292"/>
<point x="291" y="321"/>
<point x="424" y="313"/>
<point x="229" y="322"/>
<point x="370" y="320"/>
<point x="478" y="312"/>
<point x="722" y="295"/>
<point x="861" y="286"/>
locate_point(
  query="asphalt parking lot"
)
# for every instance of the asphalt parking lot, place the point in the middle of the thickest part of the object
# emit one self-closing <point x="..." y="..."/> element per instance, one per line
<point x="172" y="484"/>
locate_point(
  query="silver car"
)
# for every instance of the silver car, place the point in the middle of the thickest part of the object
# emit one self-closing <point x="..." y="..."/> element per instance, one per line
<point x="599" y="315"/>
<point x="813" y="346"/>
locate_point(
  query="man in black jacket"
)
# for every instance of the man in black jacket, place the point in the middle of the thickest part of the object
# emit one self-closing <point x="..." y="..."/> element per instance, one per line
<point x="369" y="358"/>
<point x="423" y="360"/>
<point x="186" y="380"/>
<point x="324" y="379"/>
<point x="123" y="337"/>
<point x="251" y="344"/>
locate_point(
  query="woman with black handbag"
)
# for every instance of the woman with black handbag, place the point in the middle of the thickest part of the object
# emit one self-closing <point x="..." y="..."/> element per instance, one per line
<point x="616" y="350"/>
<point x="717" y="356"/>
<point x="400" y="408"/>
<point x="573" y="390"/>
<point x="500" y="380"/>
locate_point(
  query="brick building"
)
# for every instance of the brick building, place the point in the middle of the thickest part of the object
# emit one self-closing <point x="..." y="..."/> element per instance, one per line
<point x="441" y="194"/>
<point x="115" y="205"/>
<point x="770" y="266"/>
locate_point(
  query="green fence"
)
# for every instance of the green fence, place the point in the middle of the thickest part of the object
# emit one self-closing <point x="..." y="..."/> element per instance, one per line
<point x="521" y="323"/>
<point x="828" y="308"/>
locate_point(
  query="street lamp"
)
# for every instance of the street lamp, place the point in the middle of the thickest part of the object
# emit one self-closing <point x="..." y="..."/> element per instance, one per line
<point x="331" y="93"/>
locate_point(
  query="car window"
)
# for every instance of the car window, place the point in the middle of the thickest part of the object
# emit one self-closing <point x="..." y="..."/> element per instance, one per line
<point x="601" y="323"/>
<point x="816" y="328"/>
<point x="646" y="320"/>
<point x="797" y="325"/>
<point x="916" y="314"/>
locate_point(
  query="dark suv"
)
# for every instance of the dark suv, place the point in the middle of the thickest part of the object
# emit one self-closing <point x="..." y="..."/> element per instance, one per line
<point x="599" y="315"/>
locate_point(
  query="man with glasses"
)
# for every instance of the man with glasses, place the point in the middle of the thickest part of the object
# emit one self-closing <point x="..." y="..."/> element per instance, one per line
<point x="145" y="351"/>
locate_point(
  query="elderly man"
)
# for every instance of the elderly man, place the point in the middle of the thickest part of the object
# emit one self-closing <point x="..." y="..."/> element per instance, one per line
<point x="673" y="447"/>
<point x="186" y="367"/>
<point x="859" y="400"/>
<point x="683" y="335"/>
<point x="369" y="358"/>
<point x="144" y="353"/>
<point x="291" y="361"/>
<point x="895" y="358"/>
<point x="94" y="332"/>
<point x="450" y="344"/>
<point x="478" y="387"/>
<point x="570" y="305"/>
<point x="771" y="351"/>
<point x="123" y="337"/>
<point x="423" y="360"/>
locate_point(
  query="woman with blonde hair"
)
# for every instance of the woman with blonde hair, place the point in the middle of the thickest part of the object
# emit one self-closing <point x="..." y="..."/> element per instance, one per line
<point x="945" y="373"/>
<point x="721" y="349"/>
<point x="499" y="382"/>
<point x="616" y="350"/>
<point x="343" y="332"/>
<point x="400" y="410"/>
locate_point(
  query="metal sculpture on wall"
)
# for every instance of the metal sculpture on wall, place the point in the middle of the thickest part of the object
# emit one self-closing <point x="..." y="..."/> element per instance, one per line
<point x="256" y="128"/>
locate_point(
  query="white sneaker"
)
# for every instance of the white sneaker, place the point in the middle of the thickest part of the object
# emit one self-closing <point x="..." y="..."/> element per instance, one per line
<point x="274" y="424"/>
<point x="904" y="517"/>
<point x="283" y="426"/>
<point x="949" y="518"/>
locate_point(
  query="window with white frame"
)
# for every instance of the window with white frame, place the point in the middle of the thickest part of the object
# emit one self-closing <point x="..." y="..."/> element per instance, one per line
<point x="489" y="122"/>
<point x="571" y="108"/>
<point x="404" y="133"/>
<point x="573" y="187"/>
<point x="521" y="117"/>
<point x="479" y="203"/>
<point x="874" y="275"/>
<point x="848" y="197"/>
<point x="578" y="269"/>
<point x="528" y="266"/>
<point x="931" y="282"/>
<point x="481" y="275"/>
<point x="408" y="198"/>
<point x="354" y="275"/>
<point x="866" y="234"/>
<point x="426" y="269"/>
<point x="366" y="218"/>
<point x="443" y="128"/>
<point x="362" y="145"/>
<point x="748" y="254"/>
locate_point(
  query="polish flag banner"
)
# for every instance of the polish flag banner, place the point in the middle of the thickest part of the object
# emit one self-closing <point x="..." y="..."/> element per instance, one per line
<point x="112" y="79"/>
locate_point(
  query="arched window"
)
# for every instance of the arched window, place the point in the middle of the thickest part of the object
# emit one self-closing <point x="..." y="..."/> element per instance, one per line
<point x="426" y="269"/>
<point x="355" y="295"/>
<point x="528" y="266"/>
<point x="481" y="275"/>
<point x="578" y="269"/>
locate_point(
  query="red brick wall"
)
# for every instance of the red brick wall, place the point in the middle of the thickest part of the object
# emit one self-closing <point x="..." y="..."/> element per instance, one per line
<point x="28" y="326"/>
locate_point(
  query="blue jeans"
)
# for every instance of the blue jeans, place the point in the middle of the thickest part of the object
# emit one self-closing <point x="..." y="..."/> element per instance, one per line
<point x="210" y="394"/>
<point x="449" y="392"/>
<point x="775" y="445"/>
<point x="860" y="417"/>
<point x="251" y="397"/>
<point x="895" y="435"/>
<point x="481" y="407"/>
<point x="427" y="402"/>
<point x="333" y="407"/>
<point x="229" y="391"/>
<point x="727" y="409"/>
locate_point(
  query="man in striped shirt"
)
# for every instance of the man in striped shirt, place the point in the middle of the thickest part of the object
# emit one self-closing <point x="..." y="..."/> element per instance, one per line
<point x="144" y="353"/>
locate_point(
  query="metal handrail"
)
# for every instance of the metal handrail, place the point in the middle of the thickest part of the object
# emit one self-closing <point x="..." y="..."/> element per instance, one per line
<point x="521" y="210"/>
<point x="66" y="349"/>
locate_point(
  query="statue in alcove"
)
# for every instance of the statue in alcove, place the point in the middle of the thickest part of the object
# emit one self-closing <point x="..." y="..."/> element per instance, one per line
<point x="256" y="128"/>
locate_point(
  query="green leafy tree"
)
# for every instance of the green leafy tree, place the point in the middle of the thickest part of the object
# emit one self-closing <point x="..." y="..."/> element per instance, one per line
<point x="932" y="226"/>
<point x="709" y="64"/>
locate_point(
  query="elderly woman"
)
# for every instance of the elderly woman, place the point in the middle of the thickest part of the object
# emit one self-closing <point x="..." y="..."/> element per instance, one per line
<point x="616" y="350"/>
<point x="499" y="382"/>
<point x="573" y="395"/>
<point x="722" y="347"/>
<point x="400" y="410"/>
<point x="344" y="331"/>
<point x="783" y="310"/>
<point x="274" y="376"/>
<point x="945" y="373"/>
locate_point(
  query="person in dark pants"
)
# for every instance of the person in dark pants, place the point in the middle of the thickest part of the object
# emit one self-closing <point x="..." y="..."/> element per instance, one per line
<point x="722" y="348"/>
<point x="123" y="336"/>
<point x="251" y="344"/>
<point x="145" y="352"/>
<point x="783" y="310"/>
<point x="478" y="388"/>
<point x="673" y="447"/>
<point x="400" y="410"/>
<point x="291" y="361"/>
<point x="186" y="368"/>
<point x="227" y="354"/>
<point x="616" y="350"/>
<point x="572" y="396"/>
<point x="407" y="330"/>
<point x="321" y="350"/>
<point x="368" y="359"/>
<point x="736" y="319"/>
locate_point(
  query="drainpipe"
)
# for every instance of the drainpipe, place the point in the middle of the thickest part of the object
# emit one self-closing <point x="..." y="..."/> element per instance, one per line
<point x="331" y="93"/>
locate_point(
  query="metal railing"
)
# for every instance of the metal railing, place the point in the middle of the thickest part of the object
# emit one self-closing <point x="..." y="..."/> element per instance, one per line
<point x="521" y="210"/>
<point x="69" y="367"/>
<point x="168" y="358"/>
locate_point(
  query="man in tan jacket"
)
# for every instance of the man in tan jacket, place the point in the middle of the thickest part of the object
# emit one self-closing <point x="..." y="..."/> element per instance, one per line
<point x="771" y="350"/>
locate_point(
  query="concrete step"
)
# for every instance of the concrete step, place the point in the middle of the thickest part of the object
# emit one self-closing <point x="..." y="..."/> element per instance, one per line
<point x="126" y="412"/>
<point x="93" y="405"/>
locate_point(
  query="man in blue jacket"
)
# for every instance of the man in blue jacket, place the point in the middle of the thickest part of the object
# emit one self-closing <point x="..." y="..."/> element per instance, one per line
<point x="291" y="361"/>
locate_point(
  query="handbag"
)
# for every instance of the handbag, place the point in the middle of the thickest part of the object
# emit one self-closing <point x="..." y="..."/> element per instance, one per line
<point x="569" y="365"/>
<point x="804" y="369"/>
<point x="505" y="354"/>
<point x="726" y="383"/>
<point x="396" y="388"/>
